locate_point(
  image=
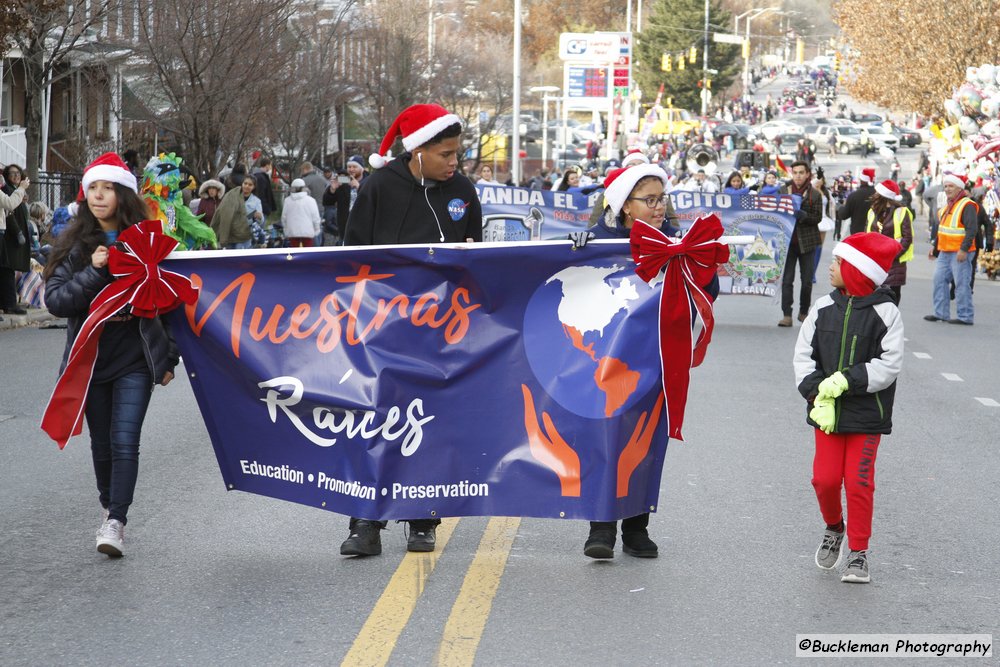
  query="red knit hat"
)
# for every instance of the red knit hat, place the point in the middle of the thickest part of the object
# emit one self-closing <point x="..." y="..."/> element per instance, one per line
<point x="889" y="190"/>
<point x="619" y="183"/>
<point x="867" y="175"/>
<point x="866" y="259"/>
<point x="417" y="125"/>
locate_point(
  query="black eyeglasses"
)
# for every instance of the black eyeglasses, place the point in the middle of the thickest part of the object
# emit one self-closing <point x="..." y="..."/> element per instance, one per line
<point x="652" y="201"/>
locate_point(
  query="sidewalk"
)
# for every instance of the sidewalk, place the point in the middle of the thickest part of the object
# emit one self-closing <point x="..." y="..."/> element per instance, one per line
<point x="35" y="316"/>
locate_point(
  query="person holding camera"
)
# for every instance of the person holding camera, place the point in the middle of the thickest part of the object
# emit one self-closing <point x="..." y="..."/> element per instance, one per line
<point x="15" y="249"/>
<point x="344" y="189"/>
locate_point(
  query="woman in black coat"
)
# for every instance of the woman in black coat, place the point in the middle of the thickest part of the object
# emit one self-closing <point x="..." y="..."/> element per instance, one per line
<point x="15" y="246"/>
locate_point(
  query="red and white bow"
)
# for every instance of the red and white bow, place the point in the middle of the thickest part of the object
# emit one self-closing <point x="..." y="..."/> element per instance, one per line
<point x="139" y="282"/>
<point x="686" y="319"/>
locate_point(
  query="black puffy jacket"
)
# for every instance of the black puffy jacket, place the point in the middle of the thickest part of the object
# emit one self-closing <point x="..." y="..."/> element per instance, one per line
<point x="70" y="290"/>
<point x="862" y="337"/>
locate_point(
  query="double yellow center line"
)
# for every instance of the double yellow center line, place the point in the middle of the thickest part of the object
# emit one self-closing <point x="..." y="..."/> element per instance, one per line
<point x="467" y="620"/>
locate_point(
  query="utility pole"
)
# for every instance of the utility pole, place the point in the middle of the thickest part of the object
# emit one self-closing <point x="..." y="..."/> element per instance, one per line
<point x="704" y="67"/>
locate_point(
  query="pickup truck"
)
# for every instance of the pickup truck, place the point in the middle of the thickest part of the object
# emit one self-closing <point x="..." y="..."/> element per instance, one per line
<point x="674" y="121"/>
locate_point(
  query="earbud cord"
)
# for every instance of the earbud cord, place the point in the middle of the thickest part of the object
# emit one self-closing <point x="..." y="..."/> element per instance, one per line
<point x="420" y="163"/>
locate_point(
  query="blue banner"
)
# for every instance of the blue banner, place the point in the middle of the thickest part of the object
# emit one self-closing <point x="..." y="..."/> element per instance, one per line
<point x="520" y="214"/>
<point x="403" y="382"/>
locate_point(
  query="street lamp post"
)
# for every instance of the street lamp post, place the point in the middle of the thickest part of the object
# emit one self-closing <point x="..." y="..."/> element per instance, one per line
<point x="515" y="155"/>
<point x="754" y="13"/>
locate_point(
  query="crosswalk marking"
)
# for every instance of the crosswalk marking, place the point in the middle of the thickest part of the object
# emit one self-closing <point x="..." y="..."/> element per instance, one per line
<point x="951" y="377"/>
<point x="921" y="355"/>
<point x="988" y="402"/>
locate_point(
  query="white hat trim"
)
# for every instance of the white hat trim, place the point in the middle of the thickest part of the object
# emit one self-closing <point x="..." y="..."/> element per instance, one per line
<point x="107" y="172"/>
<point x="955" y="180"/>
<point x="887" y="193"/>
<point x="634" y="158"/>
<point x="429" y="131"/>
<point x="619" y="190"/>
<point x="862" y="262"/>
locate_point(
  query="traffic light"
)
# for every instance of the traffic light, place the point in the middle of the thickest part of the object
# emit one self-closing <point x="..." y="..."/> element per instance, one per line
<point x="693" y="56"/>
<point x="708" y="84"/>
<point x="666" y="62"/>
<point x="700" y="83"/>
<point x="680" y="61"/>
<point x="746" y="49"/>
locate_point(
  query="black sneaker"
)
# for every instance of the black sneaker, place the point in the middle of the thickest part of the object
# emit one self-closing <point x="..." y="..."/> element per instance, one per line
<point x="423" y="535"/>
<point x="364" y="540"/>
<point x="639" y="545"/>
<point x="600" y="543"/>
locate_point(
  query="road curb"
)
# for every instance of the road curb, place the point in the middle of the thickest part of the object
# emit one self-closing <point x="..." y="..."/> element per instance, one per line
<point x="34" y="316"/>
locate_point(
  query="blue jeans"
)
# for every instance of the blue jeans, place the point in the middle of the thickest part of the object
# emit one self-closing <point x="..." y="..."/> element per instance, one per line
<point x="115" y="412"/>
<point x="950" y="269"/>
<point x="242" y="245"/>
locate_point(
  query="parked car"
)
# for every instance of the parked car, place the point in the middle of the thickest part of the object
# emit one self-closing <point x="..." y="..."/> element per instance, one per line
<point x="773" y="127"/>
<point x="675" y="121"/>
<point x="906" y="136"/>
<point x="879" y="137"/>
<point x="848" y="137"/>
<point x="742" y="136"/>
<point x="868" y="118"/>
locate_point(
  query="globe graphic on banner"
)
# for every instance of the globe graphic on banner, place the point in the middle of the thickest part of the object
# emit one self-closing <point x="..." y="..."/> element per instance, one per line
<point x="590" y="339"/>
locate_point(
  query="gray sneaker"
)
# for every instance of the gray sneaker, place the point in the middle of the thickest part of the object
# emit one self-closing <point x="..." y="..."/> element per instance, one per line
<point x="111" y="538"/>
<point x="828" y="552"/>
<point x="856" y="571"/>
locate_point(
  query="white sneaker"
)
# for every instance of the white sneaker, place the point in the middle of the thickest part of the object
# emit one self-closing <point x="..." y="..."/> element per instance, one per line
<point x="111" y="538"/>
<point x="104" y="520"/>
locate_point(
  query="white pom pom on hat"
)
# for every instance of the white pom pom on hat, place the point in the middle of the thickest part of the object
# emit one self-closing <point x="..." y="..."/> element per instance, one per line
<point x="417" y="125"/>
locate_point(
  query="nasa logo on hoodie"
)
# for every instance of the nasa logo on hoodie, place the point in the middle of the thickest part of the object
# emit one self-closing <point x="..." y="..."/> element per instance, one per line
<point x="456" y="209"/>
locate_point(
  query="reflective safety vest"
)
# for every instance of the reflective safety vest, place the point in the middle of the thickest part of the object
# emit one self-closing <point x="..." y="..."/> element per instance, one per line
<point x="898" y="217"/>
<point x="951" y="231"/>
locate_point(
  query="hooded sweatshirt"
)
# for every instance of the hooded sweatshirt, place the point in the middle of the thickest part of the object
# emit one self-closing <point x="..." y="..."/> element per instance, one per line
<point x="392" y="207"/>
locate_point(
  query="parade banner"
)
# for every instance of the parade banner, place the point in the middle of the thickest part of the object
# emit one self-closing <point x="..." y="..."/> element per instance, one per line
<point x="403" y="382"/>
<point x="520" y="214"/>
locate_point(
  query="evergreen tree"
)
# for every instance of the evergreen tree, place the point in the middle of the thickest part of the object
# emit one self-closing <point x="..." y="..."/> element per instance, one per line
<point x="674" y="26"/>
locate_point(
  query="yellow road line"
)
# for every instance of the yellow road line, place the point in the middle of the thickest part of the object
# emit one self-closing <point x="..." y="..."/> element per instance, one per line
<point x="374" y="644"/>
<point x="468" y="616"/>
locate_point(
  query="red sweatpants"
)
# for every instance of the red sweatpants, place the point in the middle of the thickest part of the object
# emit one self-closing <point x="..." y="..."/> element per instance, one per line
<point x="846" y="460"/>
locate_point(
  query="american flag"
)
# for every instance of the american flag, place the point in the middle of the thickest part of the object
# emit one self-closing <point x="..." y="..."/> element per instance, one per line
<point x="782" y="203"/>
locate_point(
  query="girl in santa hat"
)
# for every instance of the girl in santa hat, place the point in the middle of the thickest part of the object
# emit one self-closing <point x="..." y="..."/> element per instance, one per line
<point x="631" y="193"/>
<point x="134" y="353"/>
<point x="888" y="216"/>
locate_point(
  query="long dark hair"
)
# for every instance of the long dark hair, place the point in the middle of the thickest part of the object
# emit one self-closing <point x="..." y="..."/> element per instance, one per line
<point x="84" y="231"/>
<point x="881" y="207"/>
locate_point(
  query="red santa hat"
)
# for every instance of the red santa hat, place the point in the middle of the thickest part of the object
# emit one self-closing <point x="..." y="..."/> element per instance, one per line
<point x="634" y="156"/>
<point x="866" y="259"/>
<point x="889" y="190"/>
<point x="417" y="125"/>
<point x="107" y="167"/>
<point x="867" y="175"/>
<point x="955" y="178"/>
<point x="619" y="183"/>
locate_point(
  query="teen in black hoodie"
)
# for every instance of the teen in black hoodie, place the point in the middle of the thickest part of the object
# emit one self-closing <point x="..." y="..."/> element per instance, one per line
<point x="420" y="197"/>
<point x="395" y="205"/>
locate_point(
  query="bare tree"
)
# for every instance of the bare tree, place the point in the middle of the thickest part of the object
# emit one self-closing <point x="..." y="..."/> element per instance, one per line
<point x="300" y="118"/>
<point x="475" y="84"/>
<point x="219" y="64"/>
<point x="53" y="31"/>
<point x="391" y="75"/>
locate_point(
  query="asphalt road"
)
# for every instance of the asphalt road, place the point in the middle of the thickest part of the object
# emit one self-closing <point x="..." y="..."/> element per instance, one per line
<point x="221" y="578"/>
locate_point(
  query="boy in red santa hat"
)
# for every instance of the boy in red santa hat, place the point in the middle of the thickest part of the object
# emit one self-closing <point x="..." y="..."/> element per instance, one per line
<point x="847" y="358"/>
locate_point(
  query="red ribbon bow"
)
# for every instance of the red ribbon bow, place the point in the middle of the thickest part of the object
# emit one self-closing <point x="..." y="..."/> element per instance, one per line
<point x="139" y="282"/>
<point x="690" y="263"/>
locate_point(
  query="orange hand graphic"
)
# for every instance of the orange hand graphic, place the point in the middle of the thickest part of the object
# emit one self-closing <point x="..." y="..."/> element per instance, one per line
<point x="638" y="446"/>
<point x="550" y="449"/>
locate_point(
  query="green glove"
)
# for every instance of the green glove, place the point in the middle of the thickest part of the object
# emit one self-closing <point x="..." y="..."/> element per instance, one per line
<point x="833" y="386"/>
<point x="824" y="414"/>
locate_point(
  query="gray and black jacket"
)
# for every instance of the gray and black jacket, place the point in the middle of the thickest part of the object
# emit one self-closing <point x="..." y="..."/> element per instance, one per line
<point x="862" y="337"/>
